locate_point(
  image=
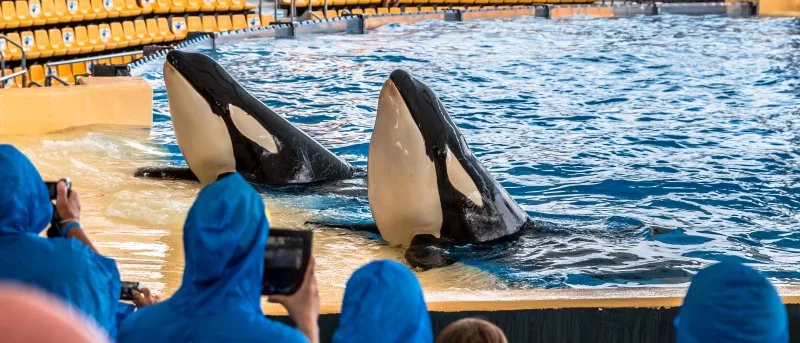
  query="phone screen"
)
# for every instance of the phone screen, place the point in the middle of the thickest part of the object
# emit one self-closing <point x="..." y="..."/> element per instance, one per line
<point x="285" y="261"/>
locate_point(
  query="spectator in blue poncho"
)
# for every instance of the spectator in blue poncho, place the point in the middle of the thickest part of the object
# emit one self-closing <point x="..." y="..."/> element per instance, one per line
<point x="68" y="267"/>
<point x="224" y="238"/>
<point x="383" y="302"/>
<point x="730" y="302"/>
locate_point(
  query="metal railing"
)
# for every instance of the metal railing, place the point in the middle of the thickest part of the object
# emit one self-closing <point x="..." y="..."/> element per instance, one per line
<point x="23" y="72"/>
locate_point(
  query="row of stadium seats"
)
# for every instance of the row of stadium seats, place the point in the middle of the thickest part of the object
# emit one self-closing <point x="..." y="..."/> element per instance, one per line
<point x="27" y="13"/>
<point x="333" y="13"/>
<point x="67" y="72"/>
<point x="339" y="3"/>
<point x="118" y="35"/>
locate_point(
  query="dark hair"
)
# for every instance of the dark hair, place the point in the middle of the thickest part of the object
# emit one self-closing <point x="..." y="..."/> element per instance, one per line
<point x="471" y="330"/>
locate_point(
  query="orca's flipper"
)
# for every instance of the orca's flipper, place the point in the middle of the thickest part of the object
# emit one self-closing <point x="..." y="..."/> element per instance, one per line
<point x="427" y="252"/>
<point x="166" y="172"/>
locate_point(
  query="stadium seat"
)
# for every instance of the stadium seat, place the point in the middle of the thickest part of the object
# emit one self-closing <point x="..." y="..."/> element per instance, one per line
<point x="427" y="9"/>
<point x="164" y="30"/>
<point x="10" y="82"/>
<point x="43" y="44"/>
<point x="49" y="12"/>
<point x="369" y="11"/>
<point x="70" y="41"/>
<point x="14" y="52"/>
<point x="80" y="69"/>
<point x="141" y="32"/>
<point x="118" y="35"/>
<point x="163" y="6"/>
<point x="267" y="19"/>
<point x="23" y="13"/>
<point x="106" y="37"/>
<point x="239" y="22"/>
<point x="116" y="60"/>
<point x="193" y="24"/>
<point x="131" y="9"/>
<point x="180" y="6"/>
<point x="29" y="45"/>
<point x="99" y="9"/>
<point x="146" y="6"/>
<point x="222" y="5"/>
<point x="36" y="12"/>
<point x="209" y="24"/>
<point x="179" y="28"/>
<point x="127" y="59"/>
<point x="114" y="7"/>
<point x="129" y="33"/>
<point x="2" y="20"/>
<point x="356" y="10"/>
<point x="36" y="74"/>
<point x="80" y="39"/>
<point x="383" y="10"/>
<point x="410" y="9"/>
<point x="84" y="9"/>
<point x="64" y="71"/>
<point x="56" y="42"/>
<point x="62" y="11"/>
<point x="224" y="23"/>
<point x="93" y="38"/>
<point x="151" y="26"/>
<point x="395" y="10"/>
<point x="253" y="21"/>
<point x="237" y="5"/>
<point x="208" y="5"/>
<point x="9" y="13"/>
<point x="337" y="2"/>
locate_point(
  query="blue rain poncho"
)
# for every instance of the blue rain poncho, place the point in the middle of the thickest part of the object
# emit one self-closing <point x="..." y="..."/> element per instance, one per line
<point x="383" y="302"/>
<point x="64" y="267"/>
<point x="224" y="238"/>
<point x="730" y="302"/>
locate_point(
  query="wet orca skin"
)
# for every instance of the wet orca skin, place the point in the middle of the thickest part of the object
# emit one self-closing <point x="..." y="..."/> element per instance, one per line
<point x="264" y="147"/>
<point x="473" y="207"/>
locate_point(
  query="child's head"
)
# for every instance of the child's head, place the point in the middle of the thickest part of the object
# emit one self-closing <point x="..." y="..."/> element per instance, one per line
<point x="472" y="330"/>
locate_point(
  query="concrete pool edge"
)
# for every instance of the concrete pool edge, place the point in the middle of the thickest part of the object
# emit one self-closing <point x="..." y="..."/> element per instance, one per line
<point x="359" y="24"/>
<point x="641" y="314"/>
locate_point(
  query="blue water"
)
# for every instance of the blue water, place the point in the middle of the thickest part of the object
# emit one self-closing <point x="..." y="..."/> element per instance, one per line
<point x="650" y="146"/>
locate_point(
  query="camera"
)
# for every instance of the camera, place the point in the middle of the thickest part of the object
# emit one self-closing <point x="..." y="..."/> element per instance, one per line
<point x="55" y="229"/>
<point x="53" y="190"/>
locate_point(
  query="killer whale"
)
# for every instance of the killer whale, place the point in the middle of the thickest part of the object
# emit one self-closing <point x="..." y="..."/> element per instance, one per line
<point x="220" y="127"/>
<point x="426" y="189"/>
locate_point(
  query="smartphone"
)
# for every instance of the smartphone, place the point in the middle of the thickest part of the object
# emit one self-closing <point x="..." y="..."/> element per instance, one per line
<point x="285" y="261"/>
<point x="127" y="287"/>
<point x="53" y="190"/>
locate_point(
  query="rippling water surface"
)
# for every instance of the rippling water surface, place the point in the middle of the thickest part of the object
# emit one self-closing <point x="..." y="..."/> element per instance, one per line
<point x="651" y="146"/>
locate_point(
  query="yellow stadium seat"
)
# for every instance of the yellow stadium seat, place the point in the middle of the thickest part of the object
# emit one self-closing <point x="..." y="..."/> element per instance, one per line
<point x="222" y="5"/>
<point x="239" y="22"/>
<point x="49" y="12"/>
<point x="80" y="69"/>
<point x="369" y="11"/>
<point x="164" y="30"/>
<point x="267" y="19"/>
<point x="9" y="14"/>
<point x="179" y="28"/>
<point x="237" y="5"/>
<point x="131" y="9"/>
<point x="209" y="24"/>
<point x="363" y="2"/>
<point x="70" y="41"/>
<point x="141" y="32"/>
<point x="146" y="6"/>
<point x="36" y="74"/>
<point x="93" y="38"/>
<point x="317" y="15"/>
<point x="395" y="10"/>
<point x="36" y="12"/>
<point x="42" y="43"/>
<point x="83" y="9"/>
<point x="193" y="24"/>
<point x="193" y="5"/>
<point x="105" y="37"/>
<point x="351" y="3"/>
<point x="410" y="9"/>
<point x="117" y="60"/>
<point x="163" y="6"/>
<point x="114" y="7"/>
<point x="23" y="13"/>
<point x="153" y="32"/>
<point x="129" y="33"/>
<point x="4" y="49"/>
<point x="253" y="21"/>
<point x="383" y="10"/>
<point x="224" y="23"/>
<point x="98" y="9"/>
<point x="118" y="35"/>
<point x="2" y="20"/>
<point x="427" y="9"/>
<point x="208" y="5"/>
<point x="8" y="83"/>
<point x="56" y="42"/>
<point x="81" y="40"/>
<point x="127" y="59"/>
<point x="64" y="71"/>
<point x="13" y="51"/>
<point x="62" y="11"/>
<point x="337" y="2"/>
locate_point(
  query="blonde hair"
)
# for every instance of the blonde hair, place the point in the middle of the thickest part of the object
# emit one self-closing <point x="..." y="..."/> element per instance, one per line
<point x="471" y="330"/>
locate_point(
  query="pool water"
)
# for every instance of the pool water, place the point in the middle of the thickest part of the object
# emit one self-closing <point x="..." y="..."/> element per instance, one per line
<point x="649" y="147"/>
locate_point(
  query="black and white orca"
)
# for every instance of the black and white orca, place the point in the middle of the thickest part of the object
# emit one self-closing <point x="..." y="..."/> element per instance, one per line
<point x="221" y="128"/>
<point x="426" y="189"/>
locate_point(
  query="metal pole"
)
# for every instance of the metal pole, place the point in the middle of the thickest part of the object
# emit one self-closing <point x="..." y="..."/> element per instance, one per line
<point x="294" y="10"/>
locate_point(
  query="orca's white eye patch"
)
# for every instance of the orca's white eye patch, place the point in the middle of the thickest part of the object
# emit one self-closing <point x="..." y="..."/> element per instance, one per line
<point x="252" y="129"/>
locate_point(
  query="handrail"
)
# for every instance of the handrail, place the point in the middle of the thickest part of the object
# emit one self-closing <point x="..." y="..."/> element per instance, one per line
<point x="3" y="79"/>
<point x="51" y="75"/>
<point x="24" y="57"/>
<point x="87" y="59"/>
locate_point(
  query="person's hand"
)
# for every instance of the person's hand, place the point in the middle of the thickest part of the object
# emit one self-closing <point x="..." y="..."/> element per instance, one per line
<point x="303" y="306"/>
<point x="68" y="206"/>
<point x="142" y="297"/>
